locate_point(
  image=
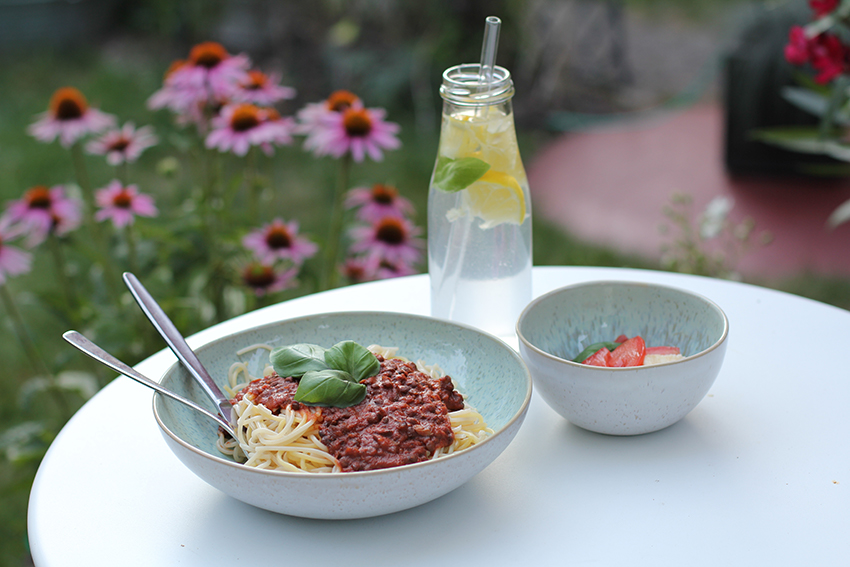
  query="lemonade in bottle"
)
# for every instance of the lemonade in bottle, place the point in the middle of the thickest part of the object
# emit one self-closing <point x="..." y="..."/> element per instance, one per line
<point x="479" y="210"/>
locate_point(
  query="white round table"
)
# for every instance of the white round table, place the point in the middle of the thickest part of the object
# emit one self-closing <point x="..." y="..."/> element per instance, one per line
<point x="757" y="474"/>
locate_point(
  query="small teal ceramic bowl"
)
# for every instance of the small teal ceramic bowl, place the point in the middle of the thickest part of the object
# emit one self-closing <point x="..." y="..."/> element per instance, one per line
<point x="554" y="328"/>
<point x="487" y="371"/>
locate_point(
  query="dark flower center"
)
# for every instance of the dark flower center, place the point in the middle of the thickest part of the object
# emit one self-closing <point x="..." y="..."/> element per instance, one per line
<point x="38" y="197"/>
<point x="354" y="272"/>
<point x="256" y="80"/>
<point x="278" y="237"/>
<point x="357" y="122"/>
<point x="340" y="101"/>
<point x="384" y="194"/>
<point x="245" y="117"/>
<point x="68" y="103"/>
<point x="122" y="199"/>
<point x="258" y="276"/>
<point x="120" y="144"/>
<point x="391" y="231"/>
<point x="208" y="54"/>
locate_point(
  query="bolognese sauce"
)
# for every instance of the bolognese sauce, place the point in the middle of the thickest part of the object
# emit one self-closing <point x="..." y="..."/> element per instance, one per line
<point x="402" y="420"/>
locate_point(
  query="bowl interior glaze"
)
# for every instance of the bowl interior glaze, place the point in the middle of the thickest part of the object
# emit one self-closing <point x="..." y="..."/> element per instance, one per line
<point x="563" y="322"/>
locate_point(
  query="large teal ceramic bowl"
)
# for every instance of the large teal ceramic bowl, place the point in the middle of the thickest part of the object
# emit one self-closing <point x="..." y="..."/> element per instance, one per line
<point x="490" y="373"/>
<point x="557" y="326"/>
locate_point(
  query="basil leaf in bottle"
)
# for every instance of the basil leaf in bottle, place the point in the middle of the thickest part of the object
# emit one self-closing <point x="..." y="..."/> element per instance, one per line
<point x="329" y="387"/>
<point x="453" y="175"/>
<point x="354" y="359"/>
<point x="591" y="349"/>
<point x="296" y="360"/>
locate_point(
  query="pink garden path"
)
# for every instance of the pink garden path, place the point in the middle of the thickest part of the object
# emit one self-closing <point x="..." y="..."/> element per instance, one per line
<point x="610" y="185"/>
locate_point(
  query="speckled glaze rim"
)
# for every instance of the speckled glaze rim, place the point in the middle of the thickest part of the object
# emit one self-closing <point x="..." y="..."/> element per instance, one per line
<point x="621" y="283"/>
<point x="519" y="414"/>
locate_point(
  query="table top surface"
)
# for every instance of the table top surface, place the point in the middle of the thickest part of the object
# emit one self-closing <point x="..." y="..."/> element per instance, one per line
<point x="758" y="473"/>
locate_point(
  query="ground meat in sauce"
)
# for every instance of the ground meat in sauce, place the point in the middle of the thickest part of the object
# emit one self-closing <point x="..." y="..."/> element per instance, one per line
<point x="402" y="420"/>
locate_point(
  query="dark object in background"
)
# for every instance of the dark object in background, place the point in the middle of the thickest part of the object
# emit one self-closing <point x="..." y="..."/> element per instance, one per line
<point x="755" y="71"/>
<point x="25" y="24"/>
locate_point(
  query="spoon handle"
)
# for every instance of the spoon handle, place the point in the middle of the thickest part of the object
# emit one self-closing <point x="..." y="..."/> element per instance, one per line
<point x="177" y="343"/>
<point x="100" y="355"/>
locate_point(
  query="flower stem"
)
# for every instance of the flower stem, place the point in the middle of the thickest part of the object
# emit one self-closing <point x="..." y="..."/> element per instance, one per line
<point x="330" y="276"/>
<point x="252" y="186"/>
<point x="100" y="243"/>
<point x="62" y="273"/>
<point x="27" y="343"/>
<point x="132" y="257"/>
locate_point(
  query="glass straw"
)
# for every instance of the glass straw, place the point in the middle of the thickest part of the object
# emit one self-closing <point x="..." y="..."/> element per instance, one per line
<point x="488" y="52"/>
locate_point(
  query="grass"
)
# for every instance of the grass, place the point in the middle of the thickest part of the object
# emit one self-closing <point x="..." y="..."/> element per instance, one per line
<point x="303" y="188"/>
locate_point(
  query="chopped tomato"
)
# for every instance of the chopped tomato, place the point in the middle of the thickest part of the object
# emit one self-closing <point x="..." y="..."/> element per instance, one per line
<point x="621" y="339"/>
<point x="662" y="350"/>
<point x="631" y="353"/>
<point x="598" y="358"/>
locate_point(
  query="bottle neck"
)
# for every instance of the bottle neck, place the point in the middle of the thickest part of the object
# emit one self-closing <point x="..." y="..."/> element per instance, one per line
<point x="466" y="85"/>
<point x="481" y="111"/>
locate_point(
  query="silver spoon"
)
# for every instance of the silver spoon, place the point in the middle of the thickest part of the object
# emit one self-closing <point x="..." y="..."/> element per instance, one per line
<point x="104" y="357"/>
<point x="178" y="344"/>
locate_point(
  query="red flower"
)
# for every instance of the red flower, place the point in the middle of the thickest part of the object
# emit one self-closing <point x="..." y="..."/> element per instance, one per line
<point x="829" y="57"/>
<point x="823" y="7"/>
<point x="797" y="50"/>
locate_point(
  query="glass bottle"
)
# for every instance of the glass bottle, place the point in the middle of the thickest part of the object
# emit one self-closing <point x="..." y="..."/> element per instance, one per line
<point x="479" y="208"/>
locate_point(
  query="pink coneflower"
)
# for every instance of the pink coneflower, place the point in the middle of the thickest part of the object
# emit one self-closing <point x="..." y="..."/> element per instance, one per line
<point x="69" y="118"/>
<point x="13" y="260"/>
<point x="264" y="278"/>
<point x="43" y="211"/>
<point x="377" y="202"/>
<point x="121" y="204"/>
<point x="209" y="71"/>
<point x="360" y="131"/>
<point x="261" y="88"/>
<point x="316" y="112"/>
<point x="240" y="126"/>
<point x="280" y="128"/>
<point x="391" y="238"/>
<point x="359" y="269"/>
<point x="387" y="270"/>
<point x="195" y="88"/>
<point x="280" y="241"/>
<point x="173" y="97"/>
<point x="124" y="145"/>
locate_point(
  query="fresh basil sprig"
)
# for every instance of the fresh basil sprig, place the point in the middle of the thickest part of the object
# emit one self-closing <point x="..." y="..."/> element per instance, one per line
<point x="591" y="349"/>
<point x="329" y="388"/>
<point x="328" y="377"/>
<point x="453" y="175"/>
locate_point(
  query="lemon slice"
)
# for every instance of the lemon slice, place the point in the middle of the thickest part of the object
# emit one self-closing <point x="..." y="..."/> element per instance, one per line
<point x="496" y="198"/>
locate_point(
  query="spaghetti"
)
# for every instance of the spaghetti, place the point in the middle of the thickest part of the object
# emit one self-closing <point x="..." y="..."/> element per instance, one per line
<point x="275" y="433"/>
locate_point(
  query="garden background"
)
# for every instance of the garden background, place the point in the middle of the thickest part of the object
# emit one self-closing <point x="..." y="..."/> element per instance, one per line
<point x="391" y="54"/>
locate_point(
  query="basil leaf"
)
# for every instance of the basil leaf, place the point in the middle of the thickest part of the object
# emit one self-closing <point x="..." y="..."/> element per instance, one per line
<point x="591" y="349"/>
<point x="296" y="360"/>
<point x="329" y="387"/>
<point x="453" y="175"/>
<point x="354" y="359"/>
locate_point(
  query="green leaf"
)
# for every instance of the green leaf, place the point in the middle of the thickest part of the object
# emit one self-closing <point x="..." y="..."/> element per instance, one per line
<point x="799" y="139"/>
<point x="807" y="100"/>
<point x="329" y="387"/>
<point x="297" y="360"/>
<point x="453" y="175"/>
<point x="352" y="358"/>
<point x="591" y="349"/>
